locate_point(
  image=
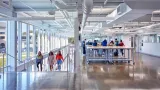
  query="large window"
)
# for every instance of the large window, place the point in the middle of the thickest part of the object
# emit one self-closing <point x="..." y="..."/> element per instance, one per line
<point x="152" y="38"/>
<point x="3" y="44"/>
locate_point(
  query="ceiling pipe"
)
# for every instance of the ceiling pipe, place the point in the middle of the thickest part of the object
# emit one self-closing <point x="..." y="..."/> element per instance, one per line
<point x="87" y="7"/>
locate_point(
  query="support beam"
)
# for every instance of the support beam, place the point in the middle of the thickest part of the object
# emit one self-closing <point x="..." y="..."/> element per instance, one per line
<point x="27" y="18"/>
<point x="28" y="44"/>
<point x="76" y="40"/>
<point x="39" y="40"/>
<point x="12" y="45"/>
<point x="19" y="41"/>
<point x="34" y="41"/>
<point x="99" y="19"/>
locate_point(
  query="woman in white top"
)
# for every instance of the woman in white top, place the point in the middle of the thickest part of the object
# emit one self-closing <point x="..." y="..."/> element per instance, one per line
<point x="51" y="60"/>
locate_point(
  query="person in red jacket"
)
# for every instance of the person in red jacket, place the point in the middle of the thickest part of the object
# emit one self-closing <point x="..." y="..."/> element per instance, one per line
<point x="59" y="59"/>
<point x="121" y="44"/>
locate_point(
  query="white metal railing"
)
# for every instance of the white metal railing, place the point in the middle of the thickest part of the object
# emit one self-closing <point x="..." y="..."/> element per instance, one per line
<point x="23" y="65"/>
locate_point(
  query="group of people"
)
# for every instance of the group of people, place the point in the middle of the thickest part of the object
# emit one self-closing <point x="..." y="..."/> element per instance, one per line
<point x="104" y="43"/>
<point x="52" y="60"/>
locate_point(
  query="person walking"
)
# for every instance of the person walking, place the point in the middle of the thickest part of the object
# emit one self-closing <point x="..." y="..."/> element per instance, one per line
<point x="39" y="60"/>
<point x="51" y="60"/>
<point x="59" y="59"/>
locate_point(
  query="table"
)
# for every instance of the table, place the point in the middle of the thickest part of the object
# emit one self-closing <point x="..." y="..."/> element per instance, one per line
<point x="107" y="53"/>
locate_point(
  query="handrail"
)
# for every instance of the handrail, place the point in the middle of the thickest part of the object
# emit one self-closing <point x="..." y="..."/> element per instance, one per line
<point x="30" y="58"/>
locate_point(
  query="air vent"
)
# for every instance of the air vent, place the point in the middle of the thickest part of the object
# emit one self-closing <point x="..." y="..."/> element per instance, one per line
<point x="155" y="16"/>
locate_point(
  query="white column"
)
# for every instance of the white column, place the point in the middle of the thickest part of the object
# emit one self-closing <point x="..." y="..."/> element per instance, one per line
<point x="59" y="42"/>
<point x="46" y="42"/>
<point x="19" y="41"/>
<point x="34" y="41"/>
<point x="49" y="42"/>
<point x="53" y="43"/>
<point x="12" y="45"/>
<point x="42" y="41"/>
<point x="76" y="39"/>
<point x="39" y="40"/>
<point x="53" y="40"/>
<point x="28" y="41"/>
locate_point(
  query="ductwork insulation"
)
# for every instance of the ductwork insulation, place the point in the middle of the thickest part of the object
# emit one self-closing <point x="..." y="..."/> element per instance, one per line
<point x="87" y="7"/>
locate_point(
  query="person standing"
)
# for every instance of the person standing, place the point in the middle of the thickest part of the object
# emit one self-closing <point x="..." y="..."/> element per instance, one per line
<point x="51" y="60"/>
<point x="84" y="46"/>
<point x="59" y="59"/>
<point x="121" y="44"/>
<point x="104" y="43"/>
<point x="39" y="60"/>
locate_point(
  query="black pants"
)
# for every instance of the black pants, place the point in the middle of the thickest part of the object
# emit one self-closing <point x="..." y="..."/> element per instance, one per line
<point x="84" y="50"/>
<point x="38" y="64"/>
<point x="121" y="50"/>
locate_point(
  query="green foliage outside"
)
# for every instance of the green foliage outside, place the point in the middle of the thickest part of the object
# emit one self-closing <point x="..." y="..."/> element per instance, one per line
<point x="71" y="40"/>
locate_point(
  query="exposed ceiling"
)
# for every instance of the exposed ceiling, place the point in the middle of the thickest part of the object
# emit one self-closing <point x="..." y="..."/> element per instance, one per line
<point x="106" y="16"/>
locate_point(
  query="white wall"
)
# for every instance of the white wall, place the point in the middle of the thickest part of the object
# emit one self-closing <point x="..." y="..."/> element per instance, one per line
<point x="151" y="49"/>
<point x="127" y="40"/>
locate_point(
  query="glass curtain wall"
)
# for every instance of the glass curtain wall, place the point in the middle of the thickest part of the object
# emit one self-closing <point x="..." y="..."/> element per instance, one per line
<point x="3" y="39"/>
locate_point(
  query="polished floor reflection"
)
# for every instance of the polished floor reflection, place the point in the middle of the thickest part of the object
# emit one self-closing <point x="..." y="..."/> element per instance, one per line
<point x="144" y="75"/>
<point x="35" y="81"/>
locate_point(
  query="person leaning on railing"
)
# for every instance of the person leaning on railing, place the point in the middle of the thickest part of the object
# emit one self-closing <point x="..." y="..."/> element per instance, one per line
<point x="39" y="60"/>
<point x="121" y="44"/>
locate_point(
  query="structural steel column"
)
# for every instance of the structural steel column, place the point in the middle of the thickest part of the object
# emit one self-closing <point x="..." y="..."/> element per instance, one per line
<point x="19" y="41"/>
<point x="60" y="42"/>
<point x="51" y="40"/>
<point x="28" y="41"/>
<point x="39" y="40"/>
<point x="46" y="42"/>
<point x="12" y="45"/>
<point x="54" y="40"/>
<point x="77" y="49"/>
<point x="43" y="38"/>
<point x="34" y="41"/>
<point x="48" y="36"/>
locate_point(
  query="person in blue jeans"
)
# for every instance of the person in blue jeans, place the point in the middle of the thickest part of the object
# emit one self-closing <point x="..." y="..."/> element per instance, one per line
<point x="39" y="60"/>
<point x="59" y="59"/>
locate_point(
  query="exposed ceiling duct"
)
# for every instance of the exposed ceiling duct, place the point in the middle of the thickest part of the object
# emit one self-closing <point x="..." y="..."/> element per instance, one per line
<point x="87" y="7"/>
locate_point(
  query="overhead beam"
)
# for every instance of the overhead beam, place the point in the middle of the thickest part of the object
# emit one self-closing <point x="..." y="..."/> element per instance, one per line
<point x="99" y="19"/>
<point x="42" y="9"/>
<point x="27" y="18"/>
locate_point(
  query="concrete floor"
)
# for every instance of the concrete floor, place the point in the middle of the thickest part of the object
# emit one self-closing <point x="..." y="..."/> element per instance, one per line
<point x="144" y="75"/>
